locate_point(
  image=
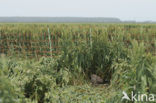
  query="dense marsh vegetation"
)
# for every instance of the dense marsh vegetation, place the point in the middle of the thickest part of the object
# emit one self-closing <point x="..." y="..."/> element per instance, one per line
<point x="123" y="55"/>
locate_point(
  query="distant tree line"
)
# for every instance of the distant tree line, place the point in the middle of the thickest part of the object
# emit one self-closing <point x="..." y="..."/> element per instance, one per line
<point x="67" y="20"/>
<point x="59" y="19"/>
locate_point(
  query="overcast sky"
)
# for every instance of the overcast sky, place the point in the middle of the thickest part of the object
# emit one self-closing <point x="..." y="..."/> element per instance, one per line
<point x="139" y="10"/>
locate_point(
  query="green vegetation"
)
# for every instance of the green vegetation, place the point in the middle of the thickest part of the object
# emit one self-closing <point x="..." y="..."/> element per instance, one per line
<point x="34" y="39"/>
<point x="123" y="55"/>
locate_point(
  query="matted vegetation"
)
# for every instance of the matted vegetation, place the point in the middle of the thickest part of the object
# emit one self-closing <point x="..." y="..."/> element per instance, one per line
<point x="121" y="54"/>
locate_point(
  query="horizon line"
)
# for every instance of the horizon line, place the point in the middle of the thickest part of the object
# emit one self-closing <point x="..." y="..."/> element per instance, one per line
<point x="74" y="17"/>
